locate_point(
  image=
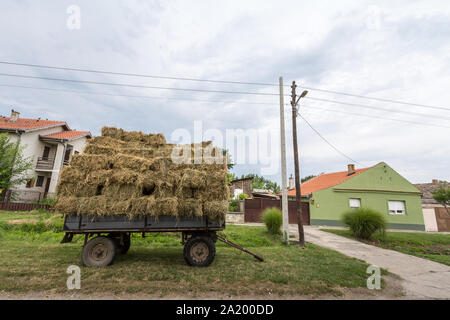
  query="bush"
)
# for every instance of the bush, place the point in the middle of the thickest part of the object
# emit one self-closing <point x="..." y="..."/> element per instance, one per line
<point x="233" y="205"/>
<point x="51" y="202"/>
<point x="243" y="196"/>
<point x="364" y="222"/>
<point x="273" y="220"/>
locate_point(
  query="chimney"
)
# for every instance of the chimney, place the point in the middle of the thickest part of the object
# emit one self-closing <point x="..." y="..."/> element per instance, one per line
<point x="14" y="116"/>
<point x="291" y="182"/>
<point x="351" y="169"/>
<point x="435" y="181"/>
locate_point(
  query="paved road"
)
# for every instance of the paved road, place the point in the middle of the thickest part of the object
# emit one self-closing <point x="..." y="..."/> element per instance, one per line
<point x="423" y="279"/>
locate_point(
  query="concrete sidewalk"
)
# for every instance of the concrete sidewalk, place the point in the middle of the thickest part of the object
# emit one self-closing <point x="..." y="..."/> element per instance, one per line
<point x="423" y="279"/>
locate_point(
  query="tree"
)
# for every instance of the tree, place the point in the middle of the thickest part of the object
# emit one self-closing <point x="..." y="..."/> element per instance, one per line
<point x="442" y="195"/>
<point x="226" y="153"/>
<point x="13" y="165"/>
<point x="259" y="182"/>
<point x="230" y="177"/>
<point x="307" y="178"/>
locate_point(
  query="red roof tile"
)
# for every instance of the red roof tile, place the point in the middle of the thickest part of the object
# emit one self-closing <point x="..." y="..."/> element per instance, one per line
<point x="67" y="134"/>
<point x="324" y="181"/>
<point x="27" y="124"/>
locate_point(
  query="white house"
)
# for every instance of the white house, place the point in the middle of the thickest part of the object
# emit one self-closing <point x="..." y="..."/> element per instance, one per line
<point x="50" y="145"/>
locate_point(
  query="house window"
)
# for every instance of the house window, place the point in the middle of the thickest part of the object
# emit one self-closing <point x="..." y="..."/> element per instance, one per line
<point x="396" y="207"/>
<point x="355" y="203"/>
<point x="40" y="181"/>
<point x="30" y="183"/>
<point x="46" y="153"/>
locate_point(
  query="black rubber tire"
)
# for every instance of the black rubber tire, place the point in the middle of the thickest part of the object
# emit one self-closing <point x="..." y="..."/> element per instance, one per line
<point x="99" y="252"/>
<point x="199" y="251"/>
<point x="121" y="249"/>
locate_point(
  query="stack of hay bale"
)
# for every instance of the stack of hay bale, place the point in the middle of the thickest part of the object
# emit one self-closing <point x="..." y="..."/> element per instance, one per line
<point x="133" y="173"/>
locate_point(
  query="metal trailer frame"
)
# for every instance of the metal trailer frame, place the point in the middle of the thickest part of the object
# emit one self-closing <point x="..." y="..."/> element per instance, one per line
<point x="119" y="228"/>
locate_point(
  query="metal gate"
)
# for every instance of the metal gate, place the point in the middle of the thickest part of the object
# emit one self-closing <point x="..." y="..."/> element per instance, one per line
<point x="255" y="207"/>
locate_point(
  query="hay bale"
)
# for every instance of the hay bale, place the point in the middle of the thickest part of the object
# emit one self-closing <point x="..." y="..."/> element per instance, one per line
<point x="133" y="136"/>
<point x="143" y="206"/>
<point x="190" y="207"/>
<point x="155" y="139"/>
<point x="120" y="207"/>
<point x="67" y="205"/>
<point x="112" y="132"/>
<point x="192" y="178"/>
<point x="215" y="209"/>
<point x="138" y="151"/>
<point x="90" y="162"/>
<point x="124" y="176"/>
<point x="125" y="161"/>
<point x="101" y="150"/>
<point x="115" y="192"/>
<point x="106" y="142"/>
<point x="166" y="206"/>
<point x="71" y="182"/>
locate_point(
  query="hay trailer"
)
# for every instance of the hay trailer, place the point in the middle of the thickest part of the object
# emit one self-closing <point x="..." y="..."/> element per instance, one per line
<point x="106" y="236"/>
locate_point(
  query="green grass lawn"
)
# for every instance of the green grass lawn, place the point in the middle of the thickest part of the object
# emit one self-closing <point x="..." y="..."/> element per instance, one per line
<point x="435" y="247"/>
<point x="32" y="259"/>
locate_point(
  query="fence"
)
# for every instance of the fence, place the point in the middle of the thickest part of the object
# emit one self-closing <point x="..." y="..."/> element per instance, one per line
<point x="442" y="219"/>
<point x="255" y="207"/>
<point x="24" y="200"/>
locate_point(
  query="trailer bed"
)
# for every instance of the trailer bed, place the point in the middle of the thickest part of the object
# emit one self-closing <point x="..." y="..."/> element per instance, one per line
<point x="122" y="223"/>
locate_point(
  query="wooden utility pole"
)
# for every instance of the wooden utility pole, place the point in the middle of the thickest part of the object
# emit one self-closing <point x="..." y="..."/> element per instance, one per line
<point x="284" y="199"/>
<point x="298" y="195"/>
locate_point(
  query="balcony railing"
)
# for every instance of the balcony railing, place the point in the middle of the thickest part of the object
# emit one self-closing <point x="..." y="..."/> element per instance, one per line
<point x="45" y="163"/>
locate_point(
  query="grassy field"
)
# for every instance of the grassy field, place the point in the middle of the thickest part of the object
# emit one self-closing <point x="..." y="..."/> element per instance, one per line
<point x="33" y="260"/>
<point x="435" y="247"/>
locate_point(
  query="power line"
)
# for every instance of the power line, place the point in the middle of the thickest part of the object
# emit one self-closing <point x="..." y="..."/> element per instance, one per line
<point x="376" y="99"/>
<point x="200" y="100"/>
<point x="219" y="81"/>
<point x="328" y="142"/>
<point x="377" y="108"/>
<point x="131" y="96"/>
<point x="135" y="74"/>
<point x="376" y="117"/>
<point x="136" y="85"/>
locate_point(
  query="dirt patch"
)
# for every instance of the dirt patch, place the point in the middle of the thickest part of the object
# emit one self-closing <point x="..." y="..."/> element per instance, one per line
<point x="20" y="221"/>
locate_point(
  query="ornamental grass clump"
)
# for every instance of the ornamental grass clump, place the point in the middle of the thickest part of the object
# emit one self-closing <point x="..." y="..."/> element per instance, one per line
<point x="364" y="222"/>
<point x="273" y="219"/>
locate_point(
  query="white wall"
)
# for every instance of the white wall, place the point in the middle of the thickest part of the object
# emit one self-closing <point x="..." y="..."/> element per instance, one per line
<point x="429" y="218"/>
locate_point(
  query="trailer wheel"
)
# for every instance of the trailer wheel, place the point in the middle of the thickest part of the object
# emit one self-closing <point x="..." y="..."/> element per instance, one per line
<point x="99" y="252"/>
<point x="121" y="249"/>
<point x="199" y="251"/>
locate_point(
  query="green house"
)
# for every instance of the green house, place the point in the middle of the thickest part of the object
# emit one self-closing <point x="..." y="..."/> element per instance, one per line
<point x="378" y="187"/>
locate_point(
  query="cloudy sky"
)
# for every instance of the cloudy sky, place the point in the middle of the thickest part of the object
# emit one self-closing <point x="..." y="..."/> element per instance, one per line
<point x="397" y="50"/>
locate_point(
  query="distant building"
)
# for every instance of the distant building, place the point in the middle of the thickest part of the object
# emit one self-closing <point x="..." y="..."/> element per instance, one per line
<point x="263" y="193"/>
<point x="434" y="214"/>
<point x="239" y="186"/>
<point x="50" y="145"/>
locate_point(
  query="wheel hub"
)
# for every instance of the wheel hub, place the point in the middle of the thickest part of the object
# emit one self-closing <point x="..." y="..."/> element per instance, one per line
<point x="199" y="252"/>
<point x="99" y="252"/>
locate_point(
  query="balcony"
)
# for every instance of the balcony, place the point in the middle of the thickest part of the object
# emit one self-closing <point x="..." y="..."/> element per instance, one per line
<point x="45" y="163"/>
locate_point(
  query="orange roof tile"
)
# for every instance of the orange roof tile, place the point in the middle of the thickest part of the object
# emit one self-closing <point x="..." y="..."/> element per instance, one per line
<point x="67" y="134"/>
<point x="27" y="124"/>
<point x="324" y="181"/>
